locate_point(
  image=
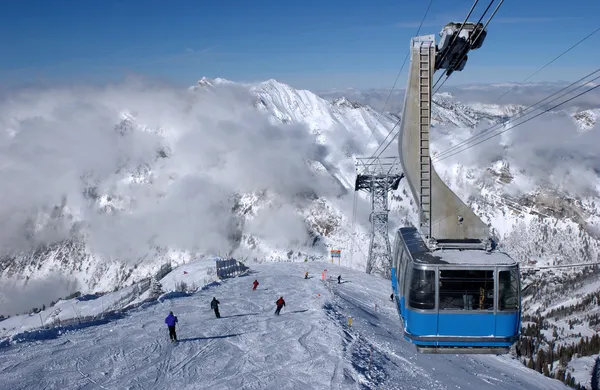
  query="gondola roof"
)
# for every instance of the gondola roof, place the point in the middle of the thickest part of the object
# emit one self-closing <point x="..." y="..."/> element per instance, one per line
<point x="464" y="257"/>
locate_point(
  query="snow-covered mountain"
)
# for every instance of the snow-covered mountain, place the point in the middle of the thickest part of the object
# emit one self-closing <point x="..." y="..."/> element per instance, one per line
<point x="109" y="184"/>
<point x="273" y="164"/>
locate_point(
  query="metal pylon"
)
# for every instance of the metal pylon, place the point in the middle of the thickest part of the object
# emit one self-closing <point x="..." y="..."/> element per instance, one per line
<point x="378" y="175"/>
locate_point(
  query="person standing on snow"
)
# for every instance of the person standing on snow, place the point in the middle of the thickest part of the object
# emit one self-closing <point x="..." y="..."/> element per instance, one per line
<point x="171" y="320"/>
<point x="339" y="279"/>
<point x="306" y="275"/>
<point x="214" y="304"/>
<point x="255" y="284"/>
<point x="280" y="303"/>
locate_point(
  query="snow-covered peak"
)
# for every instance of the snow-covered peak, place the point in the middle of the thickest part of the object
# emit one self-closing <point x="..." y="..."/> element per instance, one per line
<point x="204" y="83"/>
<point x="498" y="110"/>
<point x="448" y="113"/>
<point x="208" y="83"/>
<point x="344" y="102"/>
<point x="586" y="119"/>
<point x="444" y="95"/>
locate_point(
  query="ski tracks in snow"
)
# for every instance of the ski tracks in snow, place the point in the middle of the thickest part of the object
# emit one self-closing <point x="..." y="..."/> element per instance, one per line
<point x="309" y="346"/>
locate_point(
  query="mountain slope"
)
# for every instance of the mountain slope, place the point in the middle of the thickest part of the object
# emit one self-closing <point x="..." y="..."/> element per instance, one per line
<point x="309" y="345"/>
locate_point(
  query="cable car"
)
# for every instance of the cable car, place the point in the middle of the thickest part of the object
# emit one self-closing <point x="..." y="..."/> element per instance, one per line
<point x="458" y="298"/>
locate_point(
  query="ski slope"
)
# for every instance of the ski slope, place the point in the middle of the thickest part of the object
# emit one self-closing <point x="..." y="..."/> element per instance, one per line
<point x="309" y="346"/>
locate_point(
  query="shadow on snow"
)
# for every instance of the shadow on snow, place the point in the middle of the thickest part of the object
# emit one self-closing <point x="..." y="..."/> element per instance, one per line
<point x="210" y="338"/>
<point x="367" y="361"/>
<point x="240" y="315"/>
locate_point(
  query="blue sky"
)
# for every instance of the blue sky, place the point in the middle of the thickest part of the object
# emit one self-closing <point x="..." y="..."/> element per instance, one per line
<point x="314" y="44"/>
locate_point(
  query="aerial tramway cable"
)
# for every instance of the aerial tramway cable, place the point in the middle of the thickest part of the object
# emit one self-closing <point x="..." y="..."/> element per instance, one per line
<point x="525" y="121"/>
<point x="375" y="154"/>
<point x="397" y="77"/>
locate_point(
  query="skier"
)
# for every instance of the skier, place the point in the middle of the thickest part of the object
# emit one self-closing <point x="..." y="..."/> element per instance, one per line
<point x="214" y="304"/>
<point x="392" y="297"/>
<point x="306" y="275"/>
<point x="339" y="279"/>
<point x="171" y="320"/>
<point x="255" y="284"/>
<point x="280" y="303"/>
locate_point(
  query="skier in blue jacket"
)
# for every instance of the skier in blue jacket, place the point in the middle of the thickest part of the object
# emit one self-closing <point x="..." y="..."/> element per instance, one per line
<point x="171" y="320"/>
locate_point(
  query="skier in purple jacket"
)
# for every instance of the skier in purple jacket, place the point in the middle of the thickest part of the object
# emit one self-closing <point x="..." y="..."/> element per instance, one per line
<point x="171" y="320"/>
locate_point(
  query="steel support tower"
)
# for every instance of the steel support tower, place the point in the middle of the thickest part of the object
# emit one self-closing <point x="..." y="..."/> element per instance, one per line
<point x="378" y="175"/>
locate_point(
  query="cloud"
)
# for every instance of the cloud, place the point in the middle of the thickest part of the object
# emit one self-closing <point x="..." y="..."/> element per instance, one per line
<point x="549" y="150"/>
<point x="15" y="298"/>
<point x="57" y="145"/>
<point x="525" y="94"/>
<point x="282" y="226"/>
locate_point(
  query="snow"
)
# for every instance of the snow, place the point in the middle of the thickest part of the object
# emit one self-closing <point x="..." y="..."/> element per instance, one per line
<point x="586" y="119"/>
<point x="581" y="369"/>
<point x="574" y="296"/>
<point x="474" y="257"/>
<point x="68" y="311"/>
<point x="195" y="274"/>
<point x="309" y="346"/>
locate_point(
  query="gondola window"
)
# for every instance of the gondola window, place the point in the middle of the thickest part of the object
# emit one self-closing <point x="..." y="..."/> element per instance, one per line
<point x="422" y="289"/>
<point x="508" y="290"/>
<point x="466" y="290"/>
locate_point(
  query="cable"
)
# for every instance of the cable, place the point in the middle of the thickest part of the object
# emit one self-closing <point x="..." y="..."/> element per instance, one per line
<point x="521" y="114"/>
<point x="452" y="42"/>
<point x="489" y="20"/>
<point x="518" y="116"/>
<point x="386" y="137"/>
<point x="525" y="121"/>
<point x="441" y="85"/>
<point x="483" y="14"/>
<point x="439" y="156"/>
<point x="549" y="63"/>
<point x="397" y="77"/>
<point x="352" y="232"/>
<point x="558" y="266"/>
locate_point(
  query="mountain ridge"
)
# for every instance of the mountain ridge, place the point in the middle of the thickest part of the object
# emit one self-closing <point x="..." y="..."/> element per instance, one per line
<point x="340" y="128"/>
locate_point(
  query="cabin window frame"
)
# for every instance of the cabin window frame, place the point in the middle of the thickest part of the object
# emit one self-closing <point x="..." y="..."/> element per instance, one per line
<point x="513" y="272"/>
<point x="475" y="303"/>
<point x="409" y="287"/>
<point x="403" y="266"/>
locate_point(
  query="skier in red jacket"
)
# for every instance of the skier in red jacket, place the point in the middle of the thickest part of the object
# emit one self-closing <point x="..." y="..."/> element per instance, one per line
<point x="255" y="284"/>
<point x="280" y="303"/>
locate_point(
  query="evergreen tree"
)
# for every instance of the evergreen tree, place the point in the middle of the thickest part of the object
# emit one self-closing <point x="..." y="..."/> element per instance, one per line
<point x="155" y="288"/>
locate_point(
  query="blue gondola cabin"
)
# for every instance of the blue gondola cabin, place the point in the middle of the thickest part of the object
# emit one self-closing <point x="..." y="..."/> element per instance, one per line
<point x="460" y="299"/>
